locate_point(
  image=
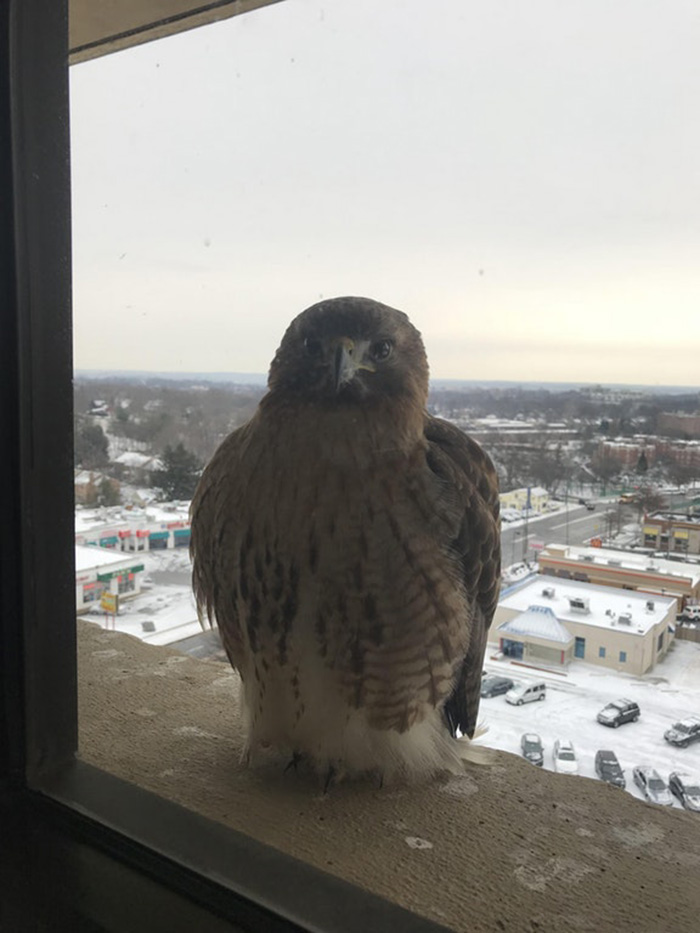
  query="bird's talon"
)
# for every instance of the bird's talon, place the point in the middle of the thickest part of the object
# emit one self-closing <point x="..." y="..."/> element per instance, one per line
<point x="295" y="759"/>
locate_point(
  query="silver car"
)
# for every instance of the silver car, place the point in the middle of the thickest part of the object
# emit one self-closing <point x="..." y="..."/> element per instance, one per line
<point x="652" y="786"/>
<point x="686" y="788"/>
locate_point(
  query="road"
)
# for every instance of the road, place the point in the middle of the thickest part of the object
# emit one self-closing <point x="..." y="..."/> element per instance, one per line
<point x="575" y="526"/>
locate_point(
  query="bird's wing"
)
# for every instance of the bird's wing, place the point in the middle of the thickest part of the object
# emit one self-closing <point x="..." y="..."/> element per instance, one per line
<point x="213" y="547"/>
<point x="469" y="486"/>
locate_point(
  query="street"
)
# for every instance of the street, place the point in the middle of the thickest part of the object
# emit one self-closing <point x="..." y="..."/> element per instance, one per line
<point x="575" y="526"/>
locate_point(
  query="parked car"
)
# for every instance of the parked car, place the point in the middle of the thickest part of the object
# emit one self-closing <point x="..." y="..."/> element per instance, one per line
<point x="532" y="749"/>
<point x="686" y="788"/>
<point x="525" y="693"/>
<point x="564" y="755"/>
<point x="652" y="786"/>
<point x="493" y="685"/>
<point x="684" y="732"/>
<point x="618" y="712"/>
<point x="607" y="767"/>
<point x="690" y="614"/>
<point x="590" y="506"/>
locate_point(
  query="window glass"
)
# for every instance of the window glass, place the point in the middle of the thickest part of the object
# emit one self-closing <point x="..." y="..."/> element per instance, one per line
<point x="519" y="180"/>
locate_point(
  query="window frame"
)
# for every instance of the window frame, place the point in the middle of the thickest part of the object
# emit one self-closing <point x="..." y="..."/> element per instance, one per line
<point x="80" y="845"/>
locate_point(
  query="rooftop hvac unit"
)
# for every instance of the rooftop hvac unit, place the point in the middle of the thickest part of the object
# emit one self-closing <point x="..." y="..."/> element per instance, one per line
<point x="548" y="591"/>
<point x="625" y="618"/>
<point x="579" y="604"/>
<point x="615" y="563"/>
<point x="650" y="605"/>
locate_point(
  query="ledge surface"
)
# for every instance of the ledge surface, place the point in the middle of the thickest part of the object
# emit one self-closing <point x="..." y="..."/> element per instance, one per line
<point x="505" y="847"/>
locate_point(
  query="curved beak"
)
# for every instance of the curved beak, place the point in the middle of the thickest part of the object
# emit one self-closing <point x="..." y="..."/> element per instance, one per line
<point x="347" y="360"/>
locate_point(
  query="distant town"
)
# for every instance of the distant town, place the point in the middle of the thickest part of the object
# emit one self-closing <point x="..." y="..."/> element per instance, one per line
<point x="599" y="611"/>
<point x="579" y="466"/>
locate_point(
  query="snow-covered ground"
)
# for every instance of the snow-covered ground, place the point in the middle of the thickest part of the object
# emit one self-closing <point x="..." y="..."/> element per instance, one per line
<point x="668" y="693"/>
<point x="166" y="601"/>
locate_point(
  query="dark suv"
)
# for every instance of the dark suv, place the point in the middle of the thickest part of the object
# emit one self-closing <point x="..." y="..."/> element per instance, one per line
<point x="617" y="712"/>
<point x="607" y="767"/>
<point x="684" y="732"/>
<point x="492" y="685"/>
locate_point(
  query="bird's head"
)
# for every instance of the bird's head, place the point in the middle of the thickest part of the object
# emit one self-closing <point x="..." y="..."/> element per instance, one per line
<point x="351" y="350"/>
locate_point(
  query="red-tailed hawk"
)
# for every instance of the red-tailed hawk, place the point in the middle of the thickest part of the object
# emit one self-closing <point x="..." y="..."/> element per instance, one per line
<point x="347" y="545"/>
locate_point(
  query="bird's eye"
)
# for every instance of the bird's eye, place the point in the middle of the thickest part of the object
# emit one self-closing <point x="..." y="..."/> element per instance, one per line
<point x="381" y="350"/>
<point x="312" y="346"/>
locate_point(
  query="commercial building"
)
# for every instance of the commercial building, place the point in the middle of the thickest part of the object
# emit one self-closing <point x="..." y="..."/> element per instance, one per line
<point x="552" y="622"/>
<point x="626" y="451"/>
<point x="679" y="423"/>
<point x="155" y="527"/>
<point x="673" y="532"/>
<point x="98" y="570"/>
<point x="623" y="570"/>
<point x="532" y="497"/>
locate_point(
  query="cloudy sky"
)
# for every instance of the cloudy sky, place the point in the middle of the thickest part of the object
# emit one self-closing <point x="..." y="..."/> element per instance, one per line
<point x="522" y="178"/>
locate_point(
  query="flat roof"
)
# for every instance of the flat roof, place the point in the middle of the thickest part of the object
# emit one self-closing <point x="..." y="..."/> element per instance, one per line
<point x="605" y="604"/>
<point x="685" y="518"/>
<point x="87" y="558"/>
<point x="119" y="517"/>
<point x="624" y="560"/>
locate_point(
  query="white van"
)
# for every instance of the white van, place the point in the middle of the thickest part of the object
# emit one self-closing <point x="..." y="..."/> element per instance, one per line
<point x="526" y="693"/>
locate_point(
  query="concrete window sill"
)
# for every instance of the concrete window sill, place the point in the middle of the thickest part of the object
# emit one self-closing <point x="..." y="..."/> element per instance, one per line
<point x="505" y="847"/>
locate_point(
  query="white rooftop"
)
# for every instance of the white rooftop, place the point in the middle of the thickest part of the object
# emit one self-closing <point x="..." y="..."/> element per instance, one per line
<point x="86" y="558"/>
<point x="132" y="458"/>
<point x="120" y="517"/>
<point x="603" y="604"/>
<point x="626" y="560"/>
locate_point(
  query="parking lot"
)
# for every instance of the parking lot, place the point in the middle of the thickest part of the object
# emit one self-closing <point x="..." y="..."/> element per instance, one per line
<point x="669" y="693"/>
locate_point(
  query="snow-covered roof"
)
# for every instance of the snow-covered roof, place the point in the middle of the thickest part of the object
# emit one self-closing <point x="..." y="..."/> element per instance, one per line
<point x="601" y="606"/>
<point x="86" y="558"/>
<point x="131" y="458"/>
<point x="537" y="622"/>
<point x="117" y="517"/>
<point x="85" y="477"/>
<point x="624" y="560"/>
<point x="677" y="518"/>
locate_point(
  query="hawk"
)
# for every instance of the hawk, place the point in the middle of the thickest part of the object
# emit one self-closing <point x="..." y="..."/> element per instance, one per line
<point x="347" y="545"/>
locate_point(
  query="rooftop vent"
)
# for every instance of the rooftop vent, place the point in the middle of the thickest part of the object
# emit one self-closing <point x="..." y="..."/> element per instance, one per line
<point x="615" y="563"/>
<point x="650" y="605"/>
<point x="587" y="557"/>
<point x="579" y="604"/>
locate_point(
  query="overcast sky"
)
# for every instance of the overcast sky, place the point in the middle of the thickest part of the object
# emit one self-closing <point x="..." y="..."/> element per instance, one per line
<point x="522" y="177"/>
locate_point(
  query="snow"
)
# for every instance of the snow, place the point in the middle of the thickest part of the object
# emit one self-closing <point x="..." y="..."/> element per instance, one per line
<point x="605" y="604"/>
<point x="668" y="694"/>
<point x="166" y="600"/>
<point x="539" y="622"/>
<point x="625" y="560"/>
<point x="87" y="558"/>
<point x="132" y="458"/>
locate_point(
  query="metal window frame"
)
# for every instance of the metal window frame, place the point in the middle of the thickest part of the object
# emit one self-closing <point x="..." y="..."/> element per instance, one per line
<point x="82" y="849"/>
